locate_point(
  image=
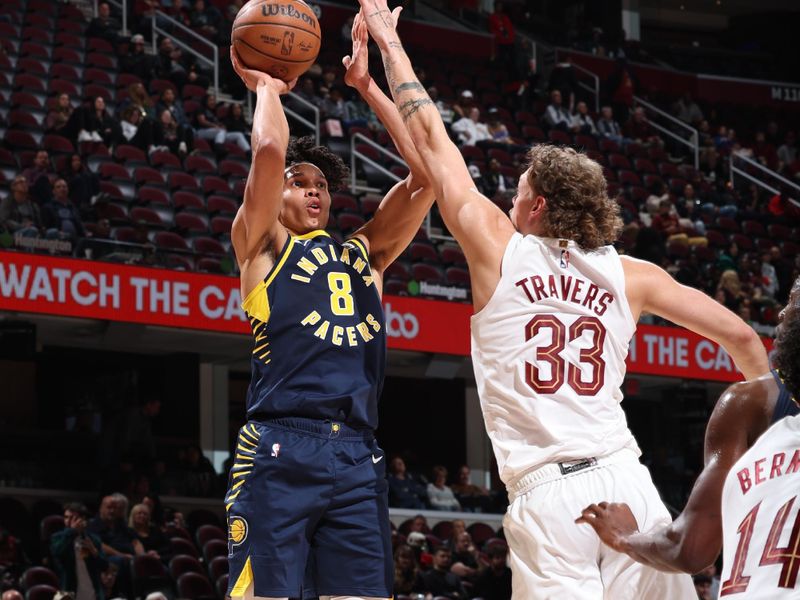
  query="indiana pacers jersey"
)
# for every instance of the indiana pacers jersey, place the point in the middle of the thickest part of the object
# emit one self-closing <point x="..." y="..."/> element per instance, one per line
<point x="761" y="517"/>
<point x="785" y="406"/>
<point x="319" y="343"/>
<point x="549" y="354"/>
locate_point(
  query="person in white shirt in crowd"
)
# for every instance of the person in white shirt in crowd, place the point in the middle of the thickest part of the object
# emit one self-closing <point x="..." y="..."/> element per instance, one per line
<point x="582" y="121"/>
<point x="470" y="130"/>
<point x="608" y="127"/>
<point x="556" y="115"/>
<point x="440" y="495"/>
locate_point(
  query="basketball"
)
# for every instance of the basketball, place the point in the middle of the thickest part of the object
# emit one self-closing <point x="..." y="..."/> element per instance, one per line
<point x="278" y="37"/>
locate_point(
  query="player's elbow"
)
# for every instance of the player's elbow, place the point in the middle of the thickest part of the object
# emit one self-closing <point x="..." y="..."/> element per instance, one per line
<point x="691" y="561"/>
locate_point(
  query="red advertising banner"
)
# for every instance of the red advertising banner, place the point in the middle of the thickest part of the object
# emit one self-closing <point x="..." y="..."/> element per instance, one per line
<point x="79" y="288"/>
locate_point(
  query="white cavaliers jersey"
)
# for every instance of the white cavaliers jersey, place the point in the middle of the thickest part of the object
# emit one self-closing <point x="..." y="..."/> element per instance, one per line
<point x="549" y="354"/>
<point x="761" y="518"/>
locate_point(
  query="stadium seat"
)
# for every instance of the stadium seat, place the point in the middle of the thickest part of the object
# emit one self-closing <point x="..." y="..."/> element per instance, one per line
<point x="161" y="159"/>
<point x="38" y="576"/>
<point x="149" y="575"/>
<point x="153" y="196"/>
<point x="126" y="153"/>
<point x="195" y="586"/>
<point x="214" y="549"/>
<point x="115" y="212"/>
<point x="181" y="545"/>
<point x="423" y="251"/>
<point x="41" y="592"/>
<point x="559" y="138"/>
<point x="206" y="533"/>
<point x="57" y="144"/>
<point x="618" y="161"/>
<point x="229" y="168"/>
<point x="480" y="533"/>
<point x="221" y="225"/>
<point x="218" y="566"/>
<point x="349" y="222"/>
<point x="425" y="272"/>
<point x="206" y="245"/>
<point x="182" y="181"/>
<point x="344" y="202"/>
<point x="220" y="205"/>
<point x="215" y="185"/>
<point x="457" y="276"/>
<point x="199" y="164"/>
<point x="452" y="255"/>
<point x="147" y="216"/>
<point x="201" y="516"/>
<point x="443" y="530"/>
<point x="222" y="585"/>
<point x="192" y="223"/>
<point x="184" y="563"/>
<point x="188" y="200"/>
<point x="209" y="265"/>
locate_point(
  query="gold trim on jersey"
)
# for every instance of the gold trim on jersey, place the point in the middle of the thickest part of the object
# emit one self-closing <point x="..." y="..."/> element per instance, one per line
<point x="244" y="581"/>
<point x="360" y="246"/>
<point x="311" y="234"/>
<point x="243" y="461"/>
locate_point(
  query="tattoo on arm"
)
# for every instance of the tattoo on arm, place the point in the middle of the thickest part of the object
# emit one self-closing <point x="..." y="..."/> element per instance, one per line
<point x="407" y="109"/>
<point x="410" y="85"/>
<point x="397" y="45"/>
<point x="382" y="14"/>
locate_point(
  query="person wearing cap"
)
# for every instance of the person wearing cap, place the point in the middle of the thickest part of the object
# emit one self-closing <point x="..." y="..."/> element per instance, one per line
<point x="466" y="100"/>
<point x="136" y="62"/>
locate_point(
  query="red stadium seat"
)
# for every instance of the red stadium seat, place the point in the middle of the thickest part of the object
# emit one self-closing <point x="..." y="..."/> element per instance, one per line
<point x="452" y="255"/>
<point x="62" y="86"/>
<point x="457" y="276"/>
<point x="560" y="138"/>
<point x="232" y="168"/>
<point x="41" y="592"/>
<point x="31" y="83"/>
<point x="68" y="39"/>
<point x="184" y="563"/>
<point x="98" y="76"/>
<point x="183" y="181"/>
<point x="195" y="586"/>
<point x="218" y="564"/>
<point x="32" y="66"/>
<point x="425" y="272"/>
<point x="205" y="533"/>
<point x="101" y="61"/>
<point x="215" y="185"/>
<point x="149" y="575"/>
<point x="38" y="576"/>
<point x="480" y="533"/>
<point x="209" y="265"/>
<point x="182" y="546"/>
<point x="148" y="175"/>
<point x="153" y="195"/>
<point x="423" y="251"/>
<point x="57" y="144"/>
<point x="191" y="223"/>
<point x="167" y="240"/>
<point x="125" y="153"/>
<point x="205" y="245"/>
<point x="199" y="164"/>
<point x="221" y="205"/>
<point x="618" y="161"/>
<point x="586" y="142"/>
<point x="163" y="159"/>
<point x="221" y="225"/>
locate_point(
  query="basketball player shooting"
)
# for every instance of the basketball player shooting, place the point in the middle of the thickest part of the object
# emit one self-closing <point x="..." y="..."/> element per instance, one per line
<point x="307" y="502"/>
<point x="747" y="500"/>
<point x="555" y="310"/>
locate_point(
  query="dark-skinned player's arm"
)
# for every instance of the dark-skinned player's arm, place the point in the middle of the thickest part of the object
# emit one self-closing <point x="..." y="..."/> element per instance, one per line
<point x="650" y="289"/>
<point x="403" y="209"/>
<point x="481" y="228"/>
<point x="256" y="222"/>
<point x="693" y="541"/>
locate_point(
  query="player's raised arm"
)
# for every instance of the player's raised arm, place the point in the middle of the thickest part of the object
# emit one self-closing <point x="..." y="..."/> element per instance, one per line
<point x="402" y="210"/>
<point x="651" y="289"/>
<point x="694" y="539"/>
<point x="480" y="227"/>
<point x="257" y="218"/>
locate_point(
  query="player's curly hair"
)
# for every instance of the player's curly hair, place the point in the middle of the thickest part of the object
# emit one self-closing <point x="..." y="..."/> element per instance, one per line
<point x="305" y="150"/>
<point x="786" y="358"/>
<point x="578" y="206"/>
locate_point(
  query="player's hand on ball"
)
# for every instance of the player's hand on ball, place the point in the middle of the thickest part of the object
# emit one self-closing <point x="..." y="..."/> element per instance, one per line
<point x="357" y="65"/>
<point x="253" y="79"/>
<point x="613" y="522"/>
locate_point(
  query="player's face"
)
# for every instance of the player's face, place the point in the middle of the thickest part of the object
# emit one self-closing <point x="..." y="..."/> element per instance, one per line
<point x="792" y="307"/>
<point x="306" y="199"/>
<point x="521" y="205"/>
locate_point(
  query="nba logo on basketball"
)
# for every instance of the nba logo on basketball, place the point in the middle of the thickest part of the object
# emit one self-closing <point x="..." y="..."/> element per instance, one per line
<point x="276" y="448"/>
<point x="288" y="43"/>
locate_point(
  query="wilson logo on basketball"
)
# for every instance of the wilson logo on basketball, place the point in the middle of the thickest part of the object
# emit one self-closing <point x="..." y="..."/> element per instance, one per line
<point x="287" y="10"/>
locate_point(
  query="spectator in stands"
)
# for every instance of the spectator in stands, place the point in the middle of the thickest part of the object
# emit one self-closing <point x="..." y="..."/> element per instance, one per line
<point x="12" y="556"/>
<point x="168" y="101"/>
<point x="465" y="558"/>
<point x="40" y="177"/>
<point x="439" y="581"/>
<point x="104" y="25"/>
<point x="138" y="98"/>
<point x="404" y="490"/>
<point x="722" y="141"/>
<point x="494" y="583"/>
<point x="61" y="217"/>
<point x="608" y="127"/>
<point x="168" y="63"/>
<point x="332" y="106"/>
<point x="151" y="537"/>
<point x="582" y="121"/>
<point x="462" y="106"/>
<point x="666" y="220"/>
<point x="205" y="18"/>
<point x="137" y="130"/>
<point x="137" y="62"/>
<point x="500" y="136"/>
<point x="407" y="577"/>
<point x="82" y="183"/>
<point x="200" y="470"/>
<point x="59" y="119"/>
<point x="234" y="120"/>
<point x="502" y="29"/>
<point x="493" y="181"/>
<point x="108" y="580"/>
<point x="564" y="81"/>
<point x="622" y="85"/>
<point x="439" y="494"/>
<point x="118" y="542"/>
<point x="459" y="527"/>
<point x="787" y="152"/>
<point x="769" y="277"/>
<point x="78" y="556"/>
<point x="167" y="134"/>
<point x="658" y="193"/>
<point x="97" y="125"/>
<point x="746" y="314"/>
<point x="764" y="151"/>
<point x="445" y="110"/>
<point x="19" y="215"/>
<point x="12" y="595"/>
<point x="731" y="288"/>
<point x="470" y="496"/>
<point x="687" y="110"/>
<point x="470" y="130"/>
<point x="556" y="116"/>
<point x="638" y="128"/>
<point x="209" y="127"/>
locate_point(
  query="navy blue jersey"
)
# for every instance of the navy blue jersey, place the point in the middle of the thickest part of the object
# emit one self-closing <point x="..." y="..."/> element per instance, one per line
<point x="319" y="343"/>
<point x="785" y="406"/>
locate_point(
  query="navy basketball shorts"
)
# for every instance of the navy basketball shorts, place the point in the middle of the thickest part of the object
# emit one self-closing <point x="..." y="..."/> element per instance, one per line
<point x="308" y="514"/>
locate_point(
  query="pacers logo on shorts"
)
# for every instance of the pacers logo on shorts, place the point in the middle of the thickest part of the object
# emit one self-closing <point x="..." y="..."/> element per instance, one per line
<point x="237" y="531"/>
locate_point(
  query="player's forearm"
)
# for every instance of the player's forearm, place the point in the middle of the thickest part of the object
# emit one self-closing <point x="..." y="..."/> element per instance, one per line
<point x="270" y="129"/>
<point x="387" y="113"/>
<point x="747" y="351"/>
<point x="659" y="549"/>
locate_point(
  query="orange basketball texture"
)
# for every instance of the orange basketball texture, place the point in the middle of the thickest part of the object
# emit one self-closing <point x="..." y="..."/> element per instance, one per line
<point x="278" y="37"/>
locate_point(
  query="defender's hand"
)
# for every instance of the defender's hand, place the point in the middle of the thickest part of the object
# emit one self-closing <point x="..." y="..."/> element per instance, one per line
<point x="613" y="522"/>
<point x="254" y="79"/>
<point x="357" y="74"/>
<point x="381" y="22"/>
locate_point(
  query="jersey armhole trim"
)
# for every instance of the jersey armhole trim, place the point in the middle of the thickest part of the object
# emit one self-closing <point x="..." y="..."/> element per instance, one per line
<point x="514" y="241"/>
<point x="256" y="304"/>
<point x="360" y="245"/>
<point x="624" y="296"/>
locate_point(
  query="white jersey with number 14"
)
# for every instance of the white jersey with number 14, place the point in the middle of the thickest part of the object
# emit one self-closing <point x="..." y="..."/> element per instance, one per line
<point x="761" y="518"/>
<point x="549" y="352"/>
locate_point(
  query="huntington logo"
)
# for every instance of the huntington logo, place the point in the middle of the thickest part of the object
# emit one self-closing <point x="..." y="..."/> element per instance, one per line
<point x="287" y="10"/>
<point x="416" y="288"/>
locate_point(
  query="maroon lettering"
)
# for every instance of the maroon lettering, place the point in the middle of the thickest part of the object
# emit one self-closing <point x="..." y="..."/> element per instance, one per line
<point x="602" y="304"/>
<point x="591" y="295"/>
<point x="794" y="466"/>
<point x="538" y="287"/>
<point x="523" y="283"/>
<point x="566" y="284"/>
<point x="760" y="471"/>
<point x="576" y="290"/>
<point x="777" y="462"/>
<point x="553" y="288"/>
<point x="744" y="480"/>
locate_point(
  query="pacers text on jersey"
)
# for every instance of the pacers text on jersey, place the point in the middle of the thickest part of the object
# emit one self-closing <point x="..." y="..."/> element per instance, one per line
<point x="567" y="289"/>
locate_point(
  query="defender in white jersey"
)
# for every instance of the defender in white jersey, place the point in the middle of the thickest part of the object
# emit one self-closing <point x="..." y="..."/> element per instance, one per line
<point x="744" y="412"/>
<point x="556" y="308"/>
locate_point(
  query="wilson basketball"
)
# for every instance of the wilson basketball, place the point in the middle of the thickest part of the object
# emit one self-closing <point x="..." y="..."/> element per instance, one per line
<point x="278" y="37"/>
